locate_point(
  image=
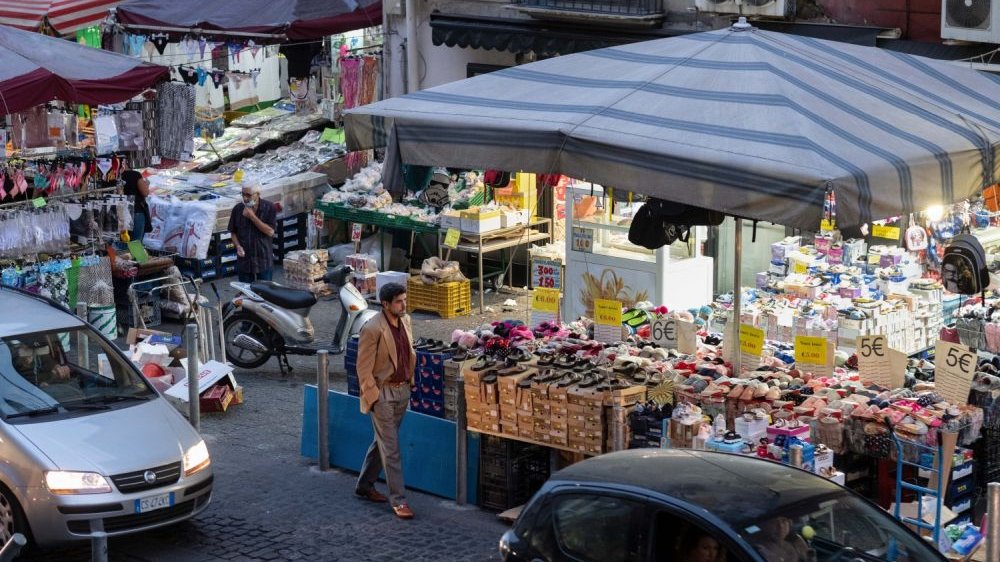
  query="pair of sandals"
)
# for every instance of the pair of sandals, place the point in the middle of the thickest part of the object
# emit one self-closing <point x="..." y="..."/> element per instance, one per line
<point x="430" y="346"/>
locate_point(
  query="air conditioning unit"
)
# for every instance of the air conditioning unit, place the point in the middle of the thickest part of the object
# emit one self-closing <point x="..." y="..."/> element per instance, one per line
<point x="971" y="20"/>
<point x="746" y="7"/>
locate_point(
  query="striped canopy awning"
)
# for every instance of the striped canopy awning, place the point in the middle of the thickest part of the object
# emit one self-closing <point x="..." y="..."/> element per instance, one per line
<point x="753" y="123"/>
<point x="65" y="16"/>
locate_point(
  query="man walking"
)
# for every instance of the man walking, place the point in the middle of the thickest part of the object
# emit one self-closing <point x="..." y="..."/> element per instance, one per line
<point x="385" y="372"/>
<point x="252" y="225"/>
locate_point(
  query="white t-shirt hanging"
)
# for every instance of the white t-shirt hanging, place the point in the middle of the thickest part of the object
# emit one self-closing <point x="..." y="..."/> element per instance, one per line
<point x="106" y="132"/>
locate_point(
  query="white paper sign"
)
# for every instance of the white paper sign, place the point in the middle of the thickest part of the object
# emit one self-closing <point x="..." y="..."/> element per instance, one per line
<point x="663" y="331"/>
<point x="687" y="337"/>
<point x="955" y="366"/>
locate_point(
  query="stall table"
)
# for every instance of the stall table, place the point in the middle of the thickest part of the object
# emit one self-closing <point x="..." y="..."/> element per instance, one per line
<point x="498" y="240"/>
<point x="350" y="215"/>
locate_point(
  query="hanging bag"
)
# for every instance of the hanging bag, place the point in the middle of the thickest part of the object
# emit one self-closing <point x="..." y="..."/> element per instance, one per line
<point x="916" y="237"/>
<point x="963" y="269"/>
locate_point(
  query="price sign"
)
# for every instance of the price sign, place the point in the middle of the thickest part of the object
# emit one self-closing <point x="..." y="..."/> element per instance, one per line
<point x="545" y="300"/>
<point x="356" y="232"/>
<point x="955" y="365"/>
<point x="451" y="238"/>
<point x="318" y="218"/>
<point x="827" y="225"/>
<point x="38" y="202"/>
<point x="607" y="320"/>
<point x="799" y="267"/>
<point x="873" y="361"/>
<point x="888" y="232"/>
<point x="751" y="340"/>
<point x="544" y="305"/>
<point x="664" y="332"/>
<point x="687" y="337"/>
<point x="583" y="239"/>
<point x="813" y="354"/>
<point x="546" y="273"/>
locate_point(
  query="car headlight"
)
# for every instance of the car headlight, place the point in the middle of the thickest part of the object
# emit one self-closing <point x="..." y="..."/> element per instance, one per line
<point x="196" y="458"/>
<point x="62" y="482"/>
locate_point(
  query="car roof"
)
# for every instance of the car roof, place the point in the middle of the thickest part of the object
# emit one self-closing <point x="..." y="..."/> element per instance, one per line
<point x="25" y="313"/>
<point x="735" y="488"/>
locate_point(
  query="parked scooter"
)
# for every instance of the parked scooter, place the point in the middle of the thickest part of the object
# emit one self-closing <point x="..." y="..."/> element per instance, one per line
<point x="266" y="318"/>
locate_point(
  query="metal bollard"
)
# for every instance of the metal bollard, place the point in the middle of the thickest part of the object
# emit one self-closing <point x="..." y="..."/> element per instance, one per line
<point x="193" y="368"/>
<point x="209" y="333"/>
<point x="993" y="522"/>
<point x="12" y="547"/>
<point x="323" y="407"/>
<point x="222" y="333"/>
<point x="98" y="541"/>
<point x="618" y="427"/>
<point x="461" y="460"/>
<point x="82" y="348"/>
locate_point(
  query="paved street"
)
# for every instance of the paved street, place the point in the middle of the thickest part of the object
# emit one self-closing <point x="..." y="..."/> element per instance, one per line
<point x="270" y="503"/>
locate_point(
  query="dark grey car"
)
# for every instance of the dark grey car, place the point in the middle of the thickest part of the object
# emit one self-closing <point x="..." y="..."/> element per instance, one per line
<point x="696" y="506"/>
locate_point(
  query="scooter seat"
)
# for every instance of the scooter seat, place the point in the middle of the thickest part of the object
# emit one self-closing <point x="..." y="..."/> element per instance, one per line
<point x="283" y="296"/>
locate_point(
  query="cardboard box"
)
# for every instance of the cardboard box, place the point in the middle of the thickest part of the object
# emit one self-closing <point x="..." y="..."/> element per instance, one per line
<point x="135" y="335"/>
<point x="217" y="398"/>
<point x="209" y="375"/>
<point x="478" y="222"/>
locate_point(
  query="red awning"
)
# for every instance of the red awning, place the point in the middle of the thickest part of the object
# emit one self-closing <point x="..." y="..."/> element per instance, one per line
<point x="36" y="68"/>
<point x="65" y="16"/>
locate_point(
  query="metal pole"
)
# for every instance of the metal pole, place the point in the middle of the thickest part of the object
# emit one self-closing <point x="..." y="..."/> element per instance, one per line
<point x="98" y="541"/>
<point x="12" y="547"/>
<point x="209" y="332"/>
<point x="993" y="521"/>
<point x="82" y="349"/>
<point x="222" y="332"/>
<point x="191" y="341"/>
<point x="461" y="460"/>
<point x="323" y="407"/>
<point x="618" y="427"/>
<point x="737" y="299"/>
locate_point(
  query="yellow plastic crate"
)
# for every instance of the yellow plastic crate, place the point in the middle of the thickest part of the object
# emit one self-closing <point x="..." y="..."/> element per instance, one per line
<point x="447" y="300"/>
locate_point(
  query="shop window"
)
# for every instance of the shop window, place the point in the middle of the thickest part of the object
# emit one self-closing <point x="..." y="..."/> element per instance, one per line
<point x="595" y="528"/>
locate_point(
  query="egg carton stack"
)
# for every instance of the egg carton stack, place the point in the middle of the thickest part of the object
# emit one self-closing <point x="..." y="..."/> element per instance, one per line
<point x="304" y="269"/>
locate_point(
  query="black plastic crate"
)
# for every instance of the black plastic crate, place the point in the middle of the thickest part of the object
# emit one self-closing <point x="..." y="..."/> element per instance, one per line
<point x="510" y="472"/>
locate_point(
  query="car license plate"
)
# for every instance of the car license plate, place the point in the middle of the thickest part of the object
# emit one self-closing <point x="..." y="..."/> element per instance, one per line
<point x="152" y="503"/>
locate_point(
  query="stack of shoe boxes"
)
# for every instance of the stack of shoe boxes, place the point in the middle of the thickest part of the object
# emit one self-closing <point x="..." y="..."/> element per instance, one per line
<point x="351" y="367"/>
<point x="559" y="414"/>
<point x="541" y="409"/>
<point x="514" y="401"/>
<point x="482" y="406"/>
<point x="626" y="399"/>
<point x="452" y="373"/>
<point x="427" y="394"/>
<point x="585" y="415"/>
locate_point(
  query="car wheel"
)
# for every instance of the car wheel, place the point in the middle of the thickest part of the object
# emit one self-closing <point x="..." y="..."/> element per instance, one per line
<point x="12" y="518"/>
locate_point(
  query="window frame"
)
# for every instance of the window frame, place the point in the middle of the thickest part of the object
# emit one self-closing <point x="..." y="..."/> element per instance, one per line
<point x="563" y="493"/>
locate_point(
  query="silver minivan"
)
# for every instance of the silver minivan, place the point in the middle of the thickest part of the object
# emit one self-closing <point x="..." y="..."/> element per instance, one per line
<point x="86" y="443"/>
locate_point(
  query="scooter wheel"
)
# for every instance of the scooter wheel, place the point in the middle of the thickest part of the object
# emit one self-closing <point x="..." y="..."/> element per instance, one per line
<point x="249" y="324"/>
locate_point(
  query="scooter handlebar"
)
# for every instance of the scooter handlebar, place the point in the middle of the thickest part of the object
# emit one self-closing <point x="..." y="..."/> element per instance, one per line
<point x="338" y="275"/>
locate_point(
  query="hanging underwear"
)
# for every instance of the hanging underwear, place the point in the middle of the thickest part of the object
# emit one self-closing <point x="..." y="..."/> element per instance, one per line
<point x="234" y="51"/>
<point x="134" y="44"/>
<point x="254" y="48"/>
<point x="188" y="74"/>
<point x="202" y="43"/>
<point x="159" y="41"/>
<point x="202" y="75"/>
<point x="190" y="47"/>
<point x="217" y="77"/>
<point x="104" y="165"/>
<point x="254" y="74"/>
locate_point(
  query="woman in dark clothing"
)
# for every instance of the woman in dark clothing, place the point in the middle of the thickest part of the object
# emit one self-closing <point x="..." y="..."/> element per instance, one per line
<point x="138" y="187"/>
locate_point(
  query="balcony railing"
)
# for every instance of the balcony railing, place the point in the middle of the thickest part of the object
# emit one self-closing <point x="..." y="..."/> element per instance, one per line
<point x="604" y="7"/>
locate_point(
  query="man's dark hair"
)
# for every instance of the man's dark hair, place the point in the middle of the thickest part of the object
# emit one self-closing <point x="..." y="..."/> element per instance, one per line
<point x="390" y="291"/>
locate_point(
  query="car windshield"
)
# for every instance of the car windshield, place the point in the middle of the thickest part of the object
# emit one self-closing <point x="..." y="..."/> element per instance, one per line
<point x="72" y="370"/>
<point x="839" y="526"/>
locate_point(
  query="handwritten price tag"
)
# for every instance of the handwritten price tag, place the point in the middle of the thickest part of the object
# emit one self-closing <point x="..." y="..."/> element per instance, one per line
<point x="955" y="366"/>
<point x="827" y="225"/>
<point x="38" y="202"/>
<point x="799" y="267"/>
<point x="873" y="360"/>
<point x="451" y="238"/>
<point x="545" y="300"/>
<point x="583" y="239"/>
<point x="664" y="332"/>
<point x="546" y="273"/>
<point x="356" y="232"/>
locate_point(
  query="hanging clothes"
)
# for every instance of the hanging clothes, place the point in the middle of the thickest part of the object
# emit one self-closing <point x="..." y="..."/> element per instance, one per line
<point x="175" y="109"/>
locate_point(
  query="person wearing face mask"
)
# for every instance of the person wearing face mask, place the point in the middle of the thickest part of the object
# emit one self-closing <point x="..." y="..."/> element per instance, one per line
<point x="252" y="225"/>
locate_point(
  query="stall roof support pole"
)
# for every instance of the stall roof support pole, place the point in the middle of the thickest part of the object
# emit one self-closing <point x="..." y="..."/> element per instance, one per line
<point x="737" y="299"/>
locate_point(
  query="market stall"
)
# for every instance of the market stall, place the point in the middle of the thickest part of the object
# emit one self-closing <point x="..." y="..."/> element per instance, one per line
<point x="903" y="134"/>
